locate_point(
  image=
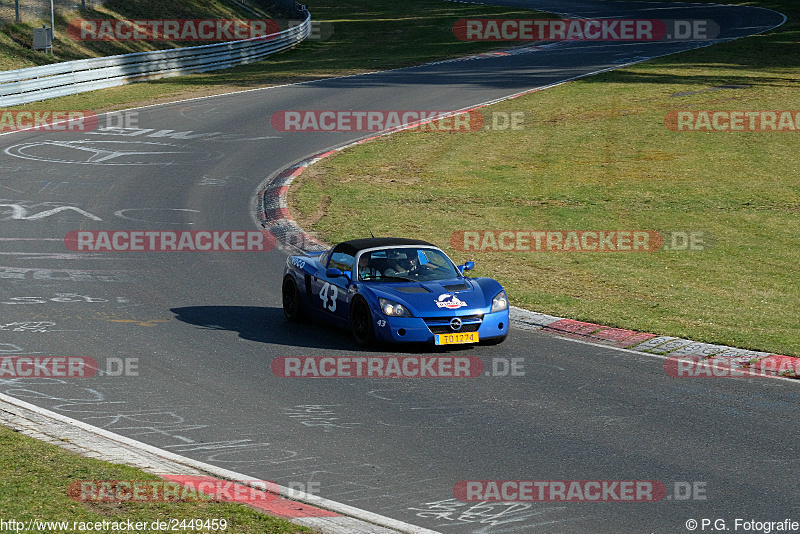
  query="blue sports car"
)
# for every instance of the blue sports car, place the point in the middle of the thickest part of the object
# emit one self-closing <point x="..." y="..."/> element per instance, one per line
<point x="395" y="290"/>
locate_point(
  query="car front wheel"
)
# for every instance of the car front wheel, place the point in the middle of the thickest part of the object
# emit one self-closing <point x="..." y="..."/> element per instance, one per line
<point x="361" y="323"/>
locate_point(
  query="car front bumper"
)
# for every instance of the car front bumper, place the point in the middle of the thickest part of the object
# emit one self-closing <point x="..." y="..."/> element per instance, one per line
<point x="417" y="330"/>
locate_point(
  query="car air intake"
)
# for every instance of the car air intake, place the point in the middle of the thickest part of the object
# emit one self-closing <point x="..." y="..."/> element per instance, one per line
<point x="411" y="289"/>
<point x="457" y="287"/>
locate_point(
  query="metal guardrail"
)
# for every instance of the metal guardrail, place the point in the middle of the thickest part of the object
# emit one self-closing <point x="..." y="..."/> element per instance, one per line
<point x="71" y="77"/>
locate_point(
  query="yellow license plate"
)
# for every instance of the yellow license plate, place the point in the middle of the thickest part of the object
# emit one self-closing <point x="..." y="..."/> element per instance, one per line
<point x="453" y="339"/>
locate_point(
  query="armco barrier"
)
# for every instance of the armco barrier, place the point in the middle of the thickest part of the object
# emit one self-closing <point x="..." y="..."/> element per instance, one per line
<point x="71" y="77"/>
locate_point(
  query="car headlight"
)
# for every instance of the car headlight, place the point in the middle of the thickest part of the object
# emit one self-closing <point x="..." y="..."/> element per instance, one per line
<point x="500" y="302"/>
<point x="393" y="309"/>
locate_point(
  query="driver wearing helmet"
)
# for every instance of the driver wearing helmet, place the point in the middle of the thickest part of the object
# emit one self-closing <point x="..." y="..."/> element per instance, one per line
<point x="403" y="263"/>
<point x="409" y="264"/>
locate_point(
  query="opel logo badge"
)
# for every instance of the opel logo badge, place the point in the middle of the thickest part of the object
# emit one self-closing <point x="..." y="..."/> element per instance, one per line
<point x="455" y="324"/>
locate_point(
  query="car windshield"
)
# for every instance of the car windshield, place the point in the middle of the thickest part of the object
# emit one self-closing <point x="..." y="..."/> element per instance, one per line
<point x="407" y="264"/>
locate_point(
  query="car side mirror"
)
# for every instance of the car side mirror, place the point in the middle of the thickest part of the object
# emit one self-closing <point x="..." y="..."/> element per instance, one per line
<point x="467" y="266"/>
<point x="333" y="273"/>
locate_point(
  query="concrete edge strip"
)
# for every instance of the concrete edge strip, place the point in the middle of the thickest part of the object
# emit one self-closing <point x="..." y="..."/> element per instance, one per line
<point x="326" y="515"/>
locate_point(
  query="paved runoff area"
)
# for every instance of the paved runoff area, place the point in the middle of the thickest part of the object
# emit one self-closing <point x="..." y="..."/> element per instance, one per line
<point x="323" y="515"/>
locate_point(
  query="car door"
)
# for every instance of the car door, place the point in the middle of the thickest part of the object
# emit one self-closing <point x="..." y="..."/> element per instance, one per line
<point x="330" y="293"/>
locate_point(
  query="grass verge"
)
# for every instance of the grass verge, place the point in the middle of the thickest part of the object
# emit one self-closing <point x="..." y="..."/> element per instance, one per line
<point x="34" y="477"/>
<point x="596" y="154"/>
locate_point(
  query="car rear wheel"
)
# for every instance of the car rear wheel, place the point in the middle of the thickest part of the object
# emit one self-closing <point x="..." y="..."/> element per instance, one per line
<point x="361" y="323"/>
<point x="292" y="307"/>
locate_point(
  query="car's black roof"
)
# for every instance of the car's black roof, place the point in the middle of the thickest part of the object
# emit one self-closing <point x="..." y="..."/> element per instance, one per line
<point x="354" y="245"/>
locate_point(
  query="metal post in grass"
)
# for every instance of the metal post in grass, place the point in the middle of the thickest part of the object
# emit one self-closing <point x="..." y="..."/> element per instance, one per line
<point x="52" y="26"/>
<point x="16" y="9"/>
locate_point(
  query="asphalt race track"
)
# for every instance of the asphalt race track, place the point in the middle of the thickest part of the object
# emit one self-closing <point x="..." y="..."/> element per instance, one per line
<point x="203" y="327"/>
